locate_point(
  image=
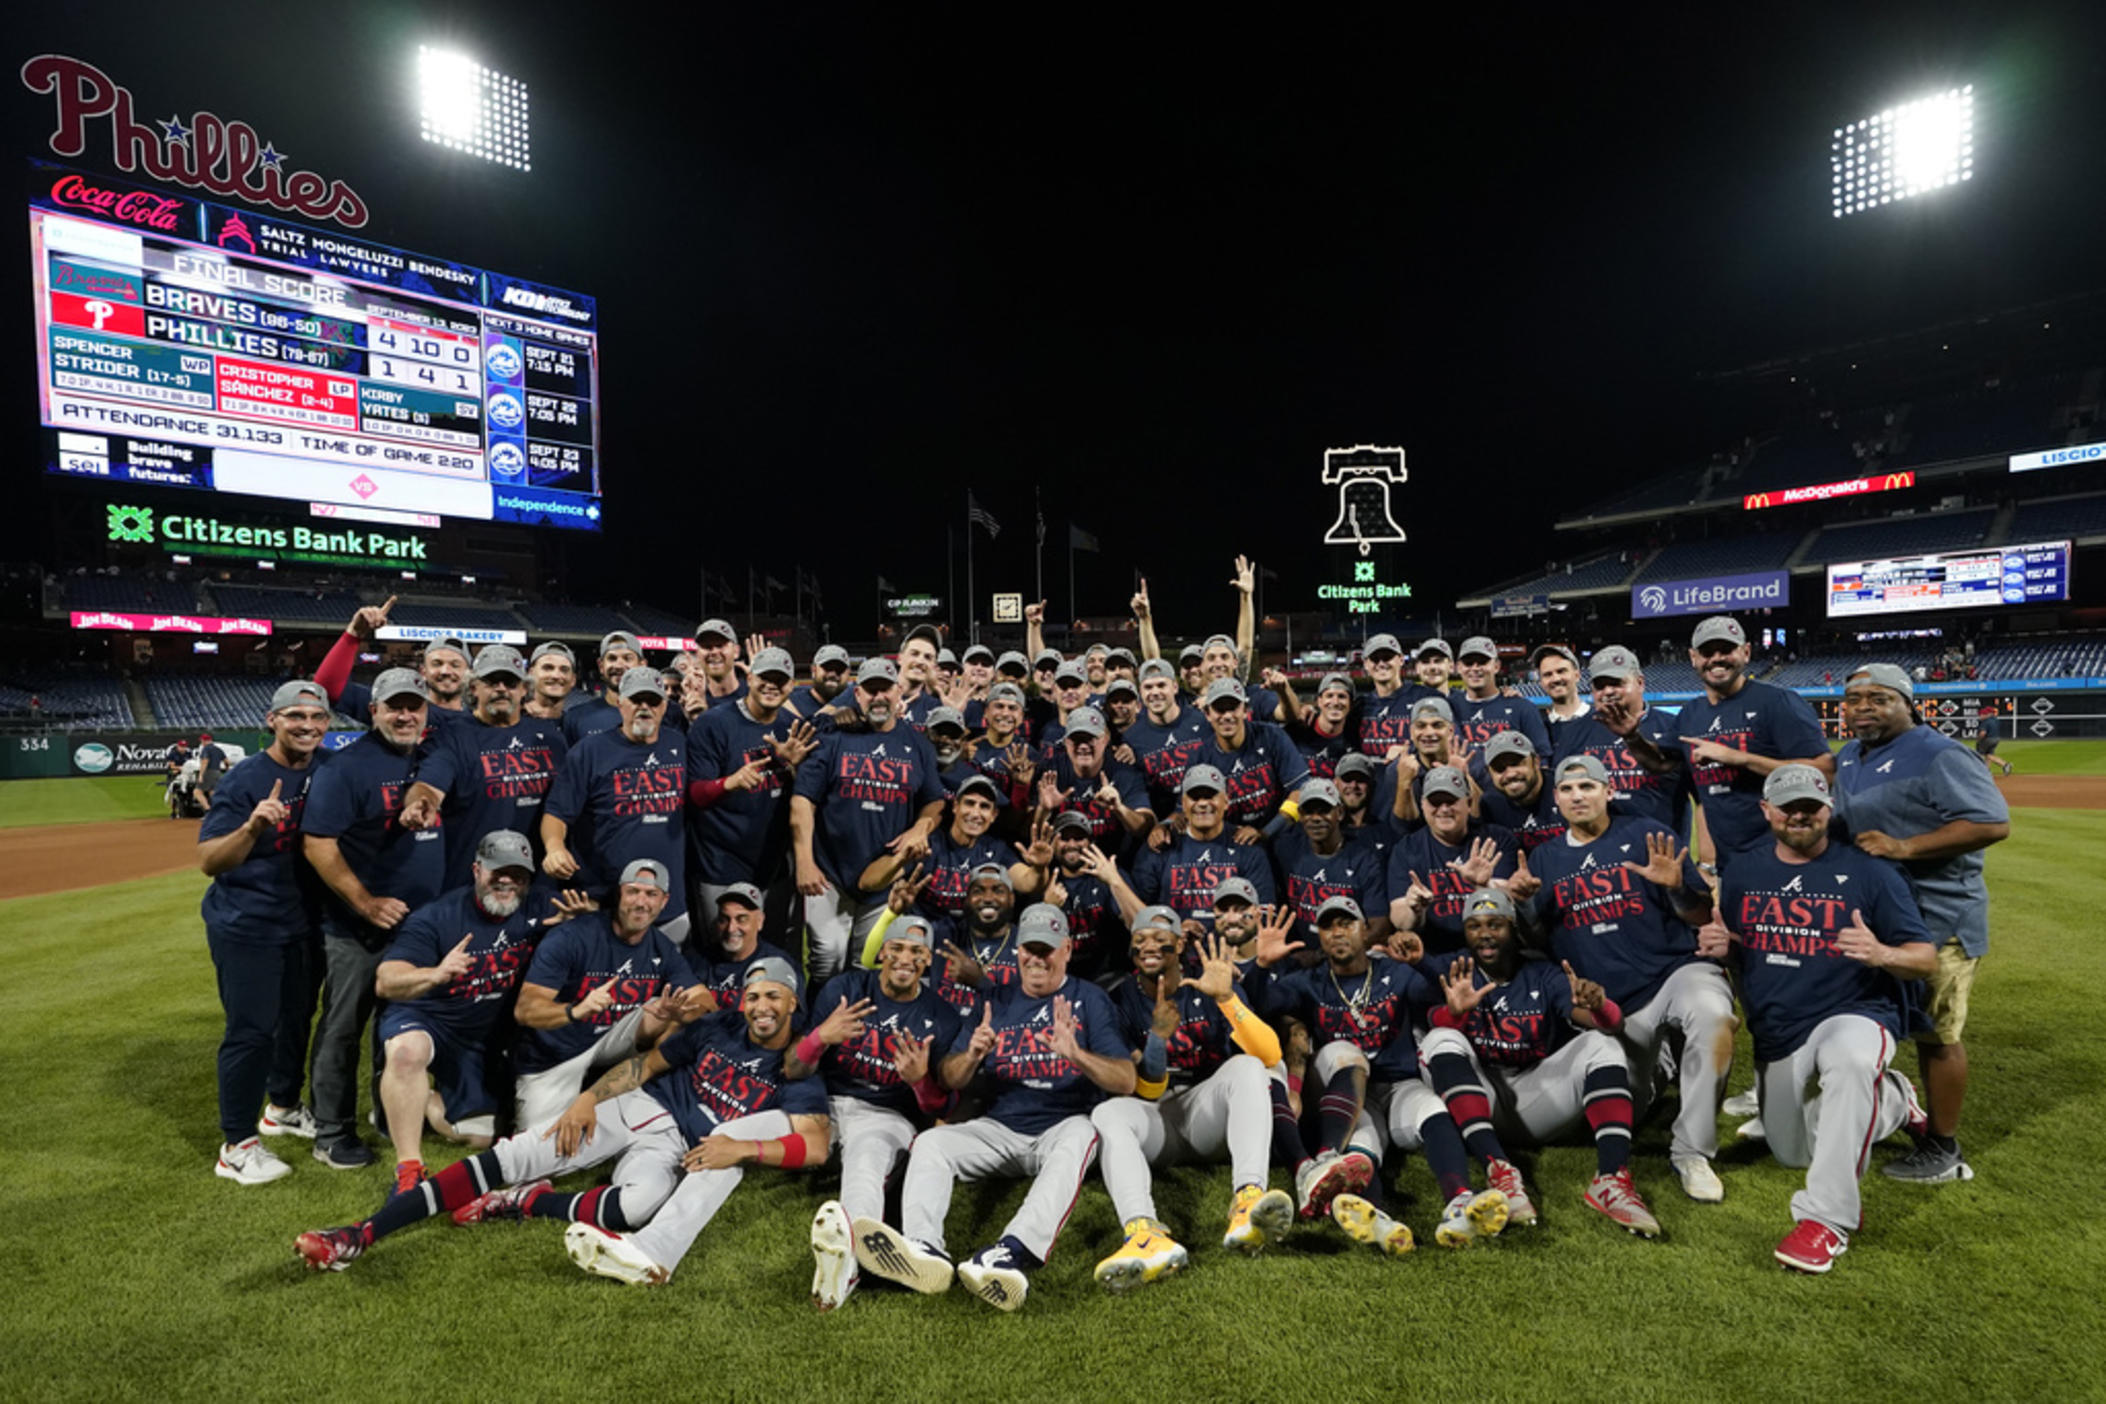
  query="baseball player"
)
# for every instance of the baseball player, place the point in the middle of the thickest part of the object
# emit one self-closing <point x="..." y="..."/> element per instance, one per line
<point x="717" y="653"/>
<point x="1636" y="743"/>
<point x="830" y="678"/>
<point x="619" y="652"/>
<point x="1738" y="732"/>
<point x="443" y="665"/>
<point x="962" y="846"/>
<point x="877" y="1048"/>
<point x="1083" y="776"/>
<point x="1359" y="1015"/>
<point x="1050" y="1045"/>
<point x="710" y="1100"/>
<point x="1260" y="767"/>
<point x="1184" y="871"/>
<point x="1621" y="901"/>
<point x="1523" y="1048"/>
<point x="552" y="676"/>
<point x="1318" y="860"/>
<point x="1086" y="884"/>
<point x="1908" y="793"/>
<point x="1167" y="736"/>
<point x="1434" y="868"/>
<point x="917" y="675"/>
<point x="1520" y="798"/>
<point x="1383" y="714"/>
<point x="1431" y="743"/>
<point x="979" y="948"/>
<point x="261" y="921"/>
<point x="1202" y="1094"/>
<point x="870" y="788"/>
<point x="1558" y="670"/>
<point x="624" y="793"/>
<point x="1822" y="938"/>
<point x="1483" y="711"/>
<point x="721" y="963"/>
<point x="742" y="758"/>
<point x="1365" y="819"/>
<point x="1321" y="730"/>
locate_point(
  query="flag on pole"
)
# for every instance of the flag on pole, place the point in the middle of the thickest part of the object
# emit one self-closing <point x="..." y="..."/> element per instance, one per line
<point x="1041" y="526"/>
<point x="886" y="587"/>
<point x="772" y="584"/>
<point x="1080" y="540"/>
<point x="980" y="517"/>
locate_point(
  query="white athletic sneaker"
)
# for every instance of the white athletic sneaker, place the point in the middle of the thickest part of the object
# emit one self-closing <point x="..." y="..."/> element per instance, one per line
<point x="286" y="1121"/>
<point x="1741" y="1105"/>
<point x="834" y="1274"/>
<point x="250" y="1164"/>
<point x="1699" y="1181"/>
<point x="995" y="1277"/>
<point x="612" y="1255"/>
<point x="1752" y="1130"/>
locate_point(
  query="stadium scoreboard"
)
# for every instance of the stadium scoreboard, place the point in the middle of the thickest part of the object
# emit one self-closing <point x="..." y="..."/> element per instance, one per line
<point x="182" y="343"/>
<point x="1994" y="575"/>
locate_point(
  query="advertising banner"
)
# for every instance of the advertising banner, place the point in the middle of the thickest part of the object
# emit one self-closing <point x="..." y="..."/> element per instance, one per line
<point x="1718" y="594"/>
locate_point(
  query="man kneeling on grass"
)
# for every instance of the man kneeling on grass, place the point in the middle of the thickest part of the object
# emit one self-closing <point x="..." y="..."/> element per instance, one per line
<point x="709" y="1099"/>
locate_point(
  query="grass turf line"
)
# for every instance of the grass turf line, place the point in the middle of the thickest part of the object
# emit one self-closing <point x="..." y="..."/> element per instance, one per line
<point x="134" y="1271"/>
<point x="84" y="800"/>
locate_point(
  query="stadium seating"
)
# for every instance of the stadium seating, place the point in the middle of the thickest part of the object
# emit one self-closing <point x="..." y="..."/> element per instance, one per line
<point x="1729" y="556"/>
<point x="131" y="594"/>
<point x="1602" y="573"/>
<point x="210" y="701"/>
<point x="649" y="619"/>
<point x="323" y="607"/>
<point x="70" y="700"/>
<point x="570" y="619"/>
<point x="2069" y="518"/>
<point x="459" y="616"/>
<point x="2000" y="420"/>
<point x="1829" y="669"/>
<point x="2047" y="658"/>
<point x="1903" y="536"/>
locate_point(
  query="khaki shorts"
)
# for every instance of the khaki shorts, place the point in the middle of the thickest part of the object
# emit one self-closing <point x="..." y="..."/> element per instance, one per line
<point x="1950" y="984"/>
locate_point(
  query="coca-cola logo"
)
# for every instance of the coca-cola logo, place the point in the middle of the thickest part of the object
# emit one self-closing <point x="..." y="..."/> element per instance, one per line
<point x="205" y="153"/>
<point x="157" y="212"/>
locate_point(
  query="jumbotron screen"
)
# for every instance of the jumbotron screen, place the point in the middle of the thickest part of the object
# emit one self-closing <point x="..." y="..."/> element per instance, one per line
<point x="187" y="344"/>
<point x="1990" y="575"/>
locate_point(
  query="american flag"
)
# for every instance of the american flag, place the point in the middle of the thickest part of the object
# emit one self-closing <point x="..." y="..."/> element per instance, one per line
<point x="979" y="516"/>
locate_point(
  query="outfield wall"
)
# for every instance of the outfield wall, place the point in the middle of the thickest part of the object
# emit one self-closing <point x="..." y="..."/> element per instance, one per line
<point x="57" y="754"/>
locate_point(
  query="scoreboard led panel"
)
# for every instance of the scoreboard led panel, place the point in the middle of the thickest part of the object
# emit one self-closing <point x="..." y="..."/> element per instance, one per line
<point x="1990" y="575"/>
<point x="187" y="344"/>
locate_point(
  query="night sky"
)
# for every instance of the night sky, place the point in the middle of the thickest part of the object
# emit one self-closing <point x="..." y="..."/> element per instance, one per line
<point x="852" y="261"/>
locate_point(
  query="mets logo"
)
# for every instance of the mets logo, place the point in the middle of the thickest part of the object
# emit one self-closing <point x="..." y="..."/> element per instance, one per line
<point x="503" y="362"/>
<point x="1652" y="599"/>
<point x="506" y="411"/>
<point x="505" y="459"/>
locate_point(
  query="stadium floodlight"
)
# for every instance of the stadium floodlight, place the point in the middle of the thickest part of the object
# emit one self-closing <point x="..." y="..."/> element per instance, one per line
<point x="1903" y="151"/>
<point x="468" y="108"/>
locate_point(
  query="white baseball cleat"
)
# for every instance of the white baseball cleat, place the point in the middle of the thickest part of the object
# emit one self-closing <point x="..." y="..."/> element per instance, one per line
<point x="834" y="1274"/>
<point x="1699" y="1181"/>
<point x="612" y="1255"/>
<point x="883" y="1251"/>
<point x="1741" y="1105"/>
<point x="250" y="1163"/>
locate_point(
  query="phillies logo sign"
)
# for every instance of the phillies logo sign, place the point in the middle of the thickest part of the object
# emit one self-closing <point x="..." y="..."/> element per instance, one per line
<point x="207" y="153"/>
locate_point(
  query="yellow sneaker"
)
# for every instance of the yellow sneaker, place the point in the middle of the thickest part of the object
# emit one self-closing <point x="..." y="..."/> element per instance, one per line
<point x="1259" y="1216"/>
<point x="1147" y="1254"/>
<point x="1364" y="1223"/>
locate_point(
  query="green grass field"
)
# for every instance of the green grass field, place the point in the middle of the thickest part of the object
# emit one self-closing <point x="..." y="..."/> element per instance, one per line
<point x="87" y="800"/>
<point x="132" y="1271"/>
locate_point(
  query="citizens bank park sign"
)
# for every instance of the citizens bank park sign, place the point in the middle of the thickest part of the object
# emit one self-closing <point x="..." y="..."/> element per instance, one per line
<point x="207" y="152"/>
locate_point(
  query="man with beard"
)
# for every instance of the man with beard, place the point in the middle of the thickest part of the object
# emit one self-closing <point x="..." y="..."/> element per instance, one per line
<point x="376" y="871"/>
<point x="735" y="945"/>
<point x="1558" y="670"/>
<point x="1318" y="862"/>
<point x="1191" y="674"/>
<point x="871" y="788"/>
<point x="1085" y="883"/>
<point x="1083" y="778"/>
<point x="1069" y="693"/>
<point x="447" y="997"/>
<point x="1434" y="868"/>
<point x="1359" y="780"/>
<point x="626" y="792"/>
<point x="829" y="681"/>
<point x="619" y="652"/>
<point x="874" y="1049"/>
<point x="1621" y="901"/>
<point x="1050" y="1046"/>
<point x="610" y="982"/>
<point x="1637" y="744"/>
<point x="715" y="1091"/>
<point x="1482" y="711"/>
<point x="491" y="774"/>
<point x="260" y="919"/>
<point x="1432" y="744"/>
<point x="1359" y="1015"/>
<point x="1259" y="765"/>
<point x="961" y="848"/>
<point x="1094" y="670"/>
<point x="1383" y="714"/>
<point x="978" y="945"/>
<point x="1202" y="1094"/>
<point x="1908" y="793"/>
<point x="1122" y="708"/>
<point x="1183" y="873"/>
<point x="1519" y="1048"/>
<point x="1166" y="737"/>
<point x="1738" y="732"/>
<point x="1321" y="732"/>
<point x="552" y="676"/>
<point x="742" y="759"/>
<point x="443" y="665"/>
<point x="1822" y="937"/>
<point x="717" y="655"/>
<point x="945" y="729"/>
<point x="1519" y="800"/>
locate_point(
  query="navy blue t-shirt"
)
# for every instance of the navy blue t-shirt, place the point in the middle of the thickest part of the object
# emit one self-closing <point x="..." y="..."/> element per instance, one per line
<point x="1763" y="721"/>
<point x="1786" y="917"/>
<point x="1379" y="722"/>
<point x="1534" y="824"/>
<point x="1357" y="870"/>
<point x="1095" y="926"/>
<point x="1520" y="1023"/>
<point x="632" y="799"/>
<point x="580" y="956"/>
<point x="356" y="702"/>
<point x="271" y="896"/>
<point x="354" y="799"/>
<point x="494" y="777"/>
<point x="949" y="866"/>
<point x="1616" y="928"/>
<point x="1261" y="773"/>
<point x="744" y="835"/>
<point x="1105" y="829"/>
<point x="596" y="714"/>
<point x="1421" y="852"/>
<point x="470" y="1005"/>
<point x="719" y="1074"/>
<point x="862" y="1067"/>
<point x="868" y="788"/>
<point x="1664" y="799"/>
<point x="1037" y="1087"/>
<point x="1477" y="722"/>
<point x="996" y="955"/>
<point x="1320" y="753"/>
<point x="726" y="978"/>
<point x="1163" y="753"/>
<point x="1373" y="1011"/>
<point x="1183" y="875"/>
<point x="1202" y="1041"/>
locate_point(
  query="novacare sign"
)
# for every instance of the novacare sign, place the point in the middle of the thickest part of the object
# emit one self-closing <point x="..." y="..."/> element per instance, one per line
<point x="1764" y="589"/>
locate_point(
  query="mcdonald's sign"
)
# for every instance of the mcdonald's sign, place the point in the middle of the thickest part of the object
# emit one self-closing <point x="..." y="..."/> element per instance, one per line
<point x="1821" y="492"/>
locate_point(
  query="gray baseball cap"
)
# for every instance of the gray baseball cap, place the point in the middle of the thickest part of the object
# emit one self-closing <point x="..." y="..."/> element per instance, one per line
<point x="1223" y="688"/>
<point x="1507" y="743"/>
<point x="929" y="632"/>
<point x="1560" y="650"/>
<point x="1121" y="654"/>
<point x="1156" y="668"/>
<point x="1191" y="653"/>
<point x="1589" y="766"/>
<point x="300" y="692"/>
<point x="1439" y="646"/>
<point x="1317" y="790"/>
<point x="1891" y="676"/>
<point x="500" y="658"/>
<point x="1121" y="685"/>
<point x="1006" y="692"/>
<point x="1337" y="903"/>
<point x="1220" y="641"/>
<point x="1489" y="902"/>
<point x="448" y="642"/>
<point x="979" y="653"/>
<point x="979" y="785"/>
<point x="1445" y="780"/>
<point x="1719" y="628"/>
<point x="1073" y="819"/>
<point x="1381" y="643"/>
<point x="1071" y="670"/>
<point x="556" y="646"/>
<point x="1014" y="662"/>
<point x="876" y="670"/>
<point x="773" y="660"/>
<point x="1433" y="707"/>
<point x="1203" y="777"/>
<point x="1047" y="658"/>
<point x="1097" y="650"/>
<point x="993" y="872"/>
<point x="944" y="716"/>
<point x="1086" y="721"/>
<point x="715" y="629"/>
<point x="1478" y="646"/>
<point x="648" y="871"/>
<point x="1614" y="664"/>
<point x="946" y="658"/>
<point x="505" y="848"/>
<point x="1042" y="925"/>
<point x="912" y="928"/>
<point x="639" y="680"/>
<point x="1238" y="887"/>
<point x="1795" y="782"/>
<point x="1342" y="681"/>
<point x="772" y="970"/>
<point x="829" y="654"/>
<point x="621" y="638"/>
<point x="742" y="892"/>
<point x="1355" y="764"/>
<point x="399" y="682"/>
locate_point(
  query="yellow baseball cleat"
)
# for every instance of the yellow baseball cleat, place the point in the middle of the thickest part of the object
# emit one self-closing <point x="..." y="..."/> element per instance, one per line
<point x="1364" y="1223"/>
<point x="1258" y="1217"/>
<point x="1147" y="1254"/>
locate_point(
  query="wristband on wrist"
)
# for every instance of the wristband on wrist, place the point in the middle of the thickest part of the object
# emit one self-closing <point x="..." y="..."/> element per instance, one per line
<point x="810" y="1049"/>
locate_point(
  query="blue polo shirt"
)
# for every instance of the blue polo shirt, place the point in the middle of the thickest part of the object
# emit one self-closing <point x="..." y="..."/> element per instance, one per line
<point x="354" y="799"/>
<point x="271" y="896"/>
